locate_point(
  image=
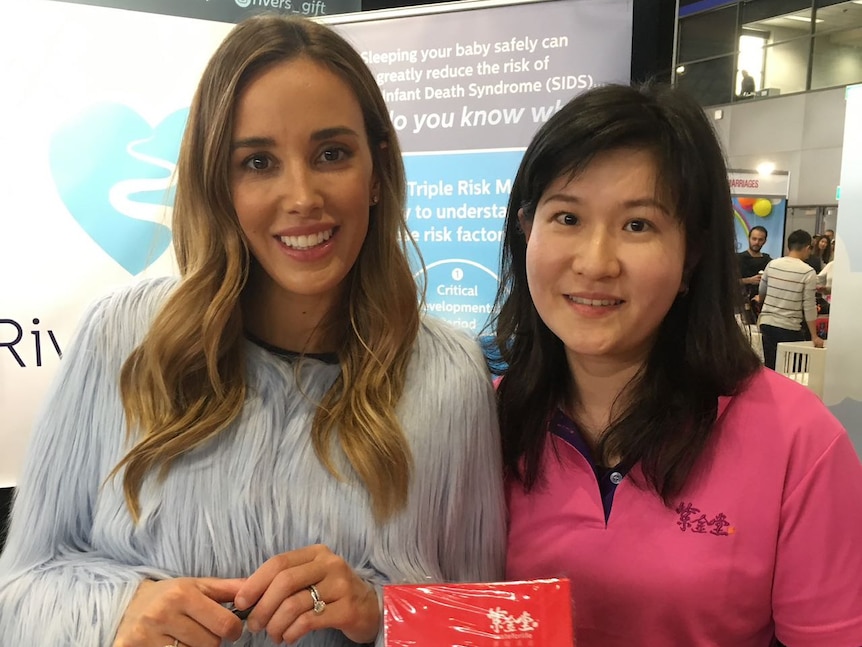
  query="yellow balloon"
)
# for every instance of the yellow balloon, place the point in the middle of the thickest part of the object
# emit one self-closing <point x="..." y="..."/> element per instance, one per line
<point x="762" y="207"/>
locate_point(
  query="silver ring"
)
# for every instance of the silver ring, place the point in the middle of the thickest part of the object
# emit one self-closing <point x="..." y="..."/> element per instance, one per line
<point x="319" y="605"/>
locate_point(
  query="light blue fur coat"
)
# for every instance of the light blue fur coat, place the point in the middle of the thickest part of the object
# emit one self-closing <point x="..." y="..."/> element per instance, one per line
<point x="74" y="558"/>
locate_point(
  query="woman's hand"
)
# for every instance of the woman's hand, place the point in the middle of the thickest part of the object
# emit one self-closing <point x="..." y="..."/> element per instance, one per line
<point x="284" y="604"/>
<point x="185" y="609"/>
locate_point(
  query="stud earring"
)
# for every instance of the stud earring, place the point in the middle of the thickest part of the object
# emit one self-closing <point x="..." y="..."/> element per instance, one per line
<point x="374" y="199"/>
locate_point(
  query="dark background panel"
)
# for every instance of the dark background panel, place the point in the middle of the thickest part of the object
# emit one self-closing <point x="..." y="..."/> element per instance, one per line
<point x="228" y="10"/>
<point x="652" y="39"/>
<point x="710" y="82"/>
<point x="6" y="494"/>
<point x="709" y="34"/>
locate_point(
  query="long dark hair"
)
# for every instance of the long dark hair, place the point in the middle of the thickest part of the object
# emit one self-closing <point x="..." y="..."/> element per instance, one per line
<point x="700" y="353"/>
<point x="824" y="254"/>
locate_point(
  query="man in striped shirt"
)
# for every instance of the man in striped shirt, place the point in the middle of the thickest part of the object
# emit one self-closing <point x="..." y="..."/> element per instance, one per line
<point x="787" y="294"/>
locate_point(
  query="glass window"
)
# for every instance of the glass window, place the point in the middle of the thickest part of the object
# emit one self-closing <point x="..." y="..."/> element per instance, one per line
<point x="779" y="23"/>
<point x="837" y="59"/>
<point x="785" y="67"/>
<point x="707" y="34"/>
<point x="710" y="82"/>
<point x="765" y="10"/>
<point x="840" y="16"/>
<point x="750" y="63"/>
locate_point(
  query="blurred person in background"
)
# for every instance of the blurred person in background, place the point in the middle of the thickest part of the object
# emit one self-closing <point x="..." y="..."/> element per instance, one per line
<point x="787" y="294"/>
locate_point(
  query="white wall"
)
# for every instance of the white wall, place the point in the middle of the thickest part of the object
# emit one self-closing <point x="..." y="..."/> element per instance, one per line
<point x="802" y="134"/>
<point x="843" y="385"/>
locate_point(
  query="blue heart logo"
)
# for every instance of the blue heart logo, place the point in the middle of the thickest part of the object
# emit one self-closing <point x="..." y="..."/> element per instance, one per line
<point x="112" y="170"/>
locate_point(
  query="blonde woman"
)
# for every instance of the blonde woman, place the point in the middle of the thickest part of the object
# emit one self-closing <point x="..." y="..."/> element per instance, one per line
<point x="279" y="432"/>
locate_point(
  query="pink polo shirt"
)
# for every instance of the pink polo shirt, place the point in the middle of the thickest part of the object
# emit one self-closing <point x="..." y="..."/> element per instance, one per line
<point x="766" y="538"/>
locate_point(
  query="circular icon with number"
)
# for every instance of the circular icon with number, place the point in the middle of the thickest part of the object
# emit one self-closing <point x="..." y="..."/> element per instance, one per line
<point x="457" y="274"/>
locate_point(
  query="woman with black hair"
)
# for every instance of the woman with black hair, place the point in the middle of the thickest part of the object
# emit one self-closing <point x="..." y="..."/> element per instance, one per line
<point x="822" y="250"/>
<point x="693" y="497"/>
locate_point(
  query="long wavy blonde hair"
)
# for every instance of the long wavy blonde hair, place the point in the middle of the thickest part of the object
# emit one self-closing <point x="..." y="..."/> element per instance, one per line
<point x="186" y="382"/>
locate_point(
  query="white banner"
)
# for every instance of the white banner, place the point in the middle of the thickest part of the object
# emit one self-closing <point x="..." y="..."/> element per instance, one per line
<point x="752" y="183"/>
<point x="95" y="100"/>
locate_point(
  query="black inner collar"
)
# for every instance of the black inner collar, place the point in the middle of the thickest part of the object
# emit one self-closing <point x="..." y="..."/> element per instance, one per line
<point x="291" y="355"/>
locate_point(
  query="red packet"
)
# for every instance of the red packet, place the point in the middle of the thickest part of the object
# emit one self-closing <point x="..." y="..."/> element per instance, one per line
<point x="536" y="613"/>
